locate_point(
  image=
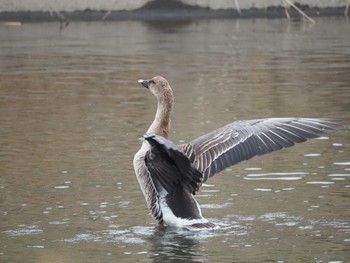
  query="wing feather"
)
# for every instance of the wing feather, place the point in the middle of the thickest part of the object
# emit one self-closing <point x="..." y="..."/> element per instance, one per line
<point x="242" y="140"/>
<point x="169" y="167"/>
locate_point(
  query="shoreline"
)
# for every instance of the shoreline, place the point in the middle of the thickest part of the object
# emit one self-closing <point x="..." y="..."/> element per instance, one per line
<point x="148" y="13"/>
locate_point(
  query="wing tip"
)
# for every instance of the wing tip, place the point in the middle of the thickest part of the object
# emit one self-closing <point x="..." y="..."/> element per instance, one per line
<point x="329" y="124"/>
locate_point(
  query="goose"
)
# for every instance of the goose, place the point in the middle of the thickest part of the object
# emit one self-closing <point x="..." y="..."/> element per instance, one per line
<point x="170" y="175"/>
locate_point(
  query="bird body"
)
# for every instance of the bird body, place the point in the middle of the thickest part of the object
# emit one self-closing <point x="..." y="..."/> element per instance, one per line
<point x="170" y="175"/>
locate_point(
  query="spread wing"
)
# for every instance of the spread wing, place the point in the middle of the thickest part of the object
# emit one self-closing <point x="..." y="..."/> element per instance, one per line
<point x="242" y="140"/>
<point x="170" y="167"/>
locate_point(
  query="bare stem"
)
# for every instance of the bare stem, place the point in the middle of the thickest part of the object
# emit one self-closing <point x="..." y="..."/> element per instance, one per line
<point x="300" y="11"/>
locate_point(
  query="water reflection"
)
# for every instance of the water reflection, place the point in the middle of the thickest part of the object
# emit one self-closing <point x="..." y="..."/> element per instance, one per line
<point x="71" y="113"/>
<point x="168" y="246"/>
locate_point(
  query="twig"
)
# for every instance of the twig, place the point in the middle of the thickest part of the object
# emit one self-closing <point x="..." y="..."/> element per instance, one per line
<point x="237" y="6"/>
<point x="106" y="15"/>
<point x="300" y="11"/>
<point x="64" y="20"/>
<point x="286" y="7"/>
<point x="109" y="11"/>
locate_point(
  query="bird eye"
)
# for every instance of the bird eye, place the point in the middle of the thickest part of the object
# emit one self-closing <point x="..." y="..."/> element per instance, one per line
<point x="151" y="82"/>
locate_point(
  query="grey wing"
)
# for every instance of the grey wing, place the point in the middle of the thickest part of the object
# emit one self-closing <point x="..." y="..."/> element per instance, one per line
<point x="242" y="140"/>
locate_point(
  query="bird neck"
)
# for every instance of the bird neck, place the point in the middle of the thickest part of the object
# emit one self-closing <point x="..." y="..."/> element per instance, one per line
<point x="161" y="123"/>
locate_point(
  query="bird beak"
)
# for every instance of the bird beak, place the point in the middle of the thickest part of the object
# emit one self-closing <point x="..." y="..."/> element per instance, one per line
<point x="144" y="83"/>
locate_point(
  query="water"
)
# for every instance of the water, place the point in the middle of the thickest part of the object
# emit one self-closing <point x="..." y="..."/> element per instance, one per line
<point x="71" y="113"/>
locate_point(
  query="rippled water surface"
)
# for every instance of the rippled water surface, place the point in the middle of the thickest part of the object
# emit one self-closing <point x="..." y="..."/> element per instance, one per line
<point x="71" y="113"/>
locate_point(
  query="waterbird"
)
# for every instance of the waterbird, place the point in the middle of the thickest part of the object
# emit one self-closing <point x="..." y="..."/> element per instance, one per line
<point x="170" y="175"/>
